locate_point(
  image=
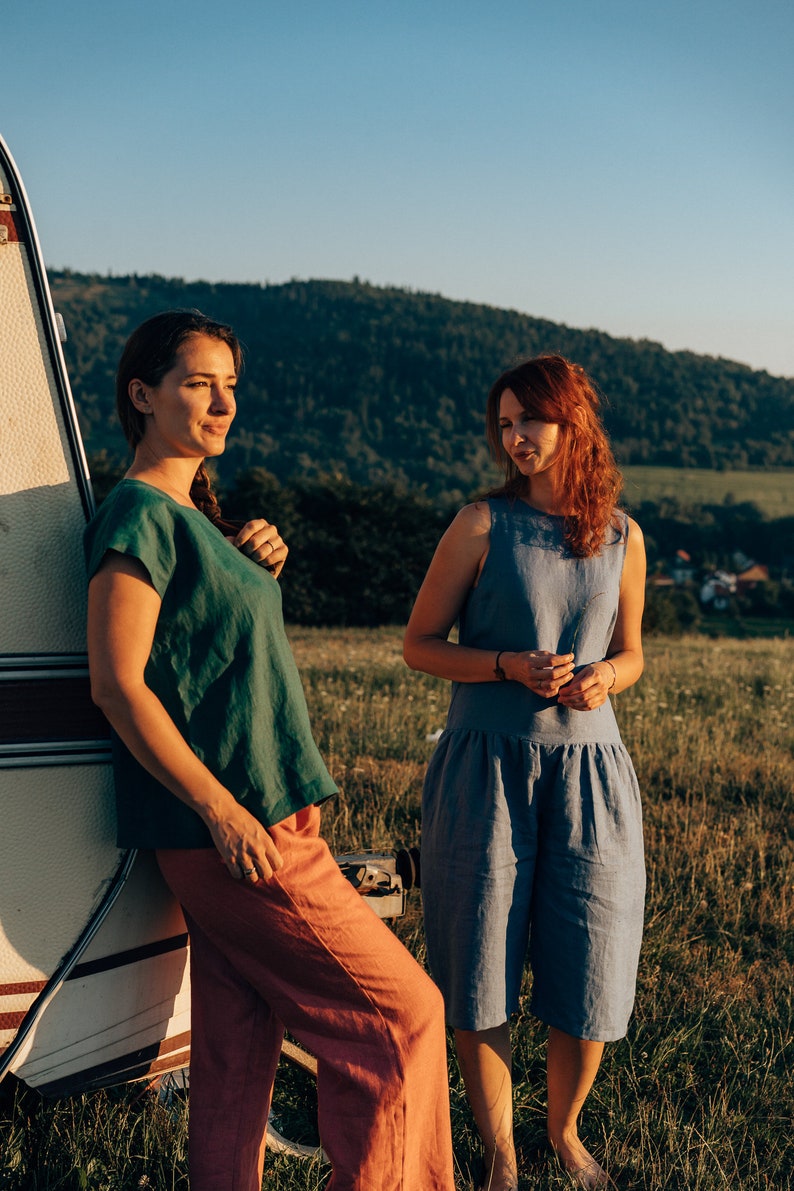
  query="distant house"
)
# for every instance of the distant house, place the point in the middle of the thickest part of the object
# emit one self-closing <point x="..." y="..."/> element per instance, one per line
<point x="682" y="569"/>
<point x="750" y="578"/>
<point x="679" y="572"/>
<point x="717" y="589"/>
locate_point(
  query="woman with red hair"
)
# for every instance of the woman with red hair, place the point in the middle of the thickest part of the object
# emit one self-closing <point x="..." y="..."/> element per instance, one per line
<point x="532" y="827"/>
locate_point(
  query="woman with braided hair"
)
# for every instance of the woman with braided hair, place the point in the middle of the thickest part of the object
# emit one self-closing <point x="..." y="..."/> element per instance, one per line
<point x="216" y="770"/>
<point x="531" y="826"/>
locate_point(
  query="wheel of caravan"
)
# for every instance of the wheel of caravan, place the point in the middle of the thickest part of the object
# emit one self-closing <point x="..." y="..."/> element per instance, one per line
<point x="296" y="1085"/>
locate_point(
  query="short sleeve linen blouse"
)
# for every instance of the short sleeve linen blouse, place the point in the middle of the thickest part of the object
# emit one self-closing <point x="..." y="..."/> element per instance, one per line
<point x="220" y="664"/>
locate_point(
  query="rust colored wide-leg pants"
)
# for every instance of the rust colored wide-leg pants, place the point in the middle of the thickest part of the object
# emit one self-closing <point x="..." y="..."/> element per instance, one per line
<point x="303" y="951"/>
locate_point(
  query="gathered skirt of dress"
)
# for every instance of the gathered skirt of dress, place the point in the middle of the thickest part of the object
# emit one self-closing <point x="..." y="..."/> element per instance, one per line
<point x="537" y="849"/>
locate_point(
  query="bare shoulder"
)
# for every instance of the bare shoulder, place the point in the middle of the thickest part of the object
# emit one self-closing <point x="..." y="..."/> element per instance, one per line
<point x="634" y="531"/>
<point x="463" y="546"/>
<point x="634" y="566"/>
<point x="473" y="520"/>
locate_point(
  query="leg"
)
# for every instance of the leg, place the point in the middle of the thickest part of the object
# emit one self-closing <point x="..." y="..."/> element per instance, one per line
<point x="571" y="1066"/>
<point x="484" y="1057"/>
<point x="235" y="1046"/>
<point x="586" y="931"/>
<point x="340" y="981"/>
<point x="479" y="838"/>
<point x="347" y="987"/>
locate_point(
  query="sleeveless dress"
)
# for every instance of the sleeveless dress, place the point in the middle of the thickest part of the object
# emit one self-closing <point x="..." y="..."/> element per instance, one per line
<point x="531" y="816"/>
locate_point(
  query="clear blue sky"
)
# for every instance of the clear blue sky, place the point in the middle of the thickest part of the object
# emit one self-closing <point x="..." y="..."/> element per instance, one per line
<point x="623" y="164"/>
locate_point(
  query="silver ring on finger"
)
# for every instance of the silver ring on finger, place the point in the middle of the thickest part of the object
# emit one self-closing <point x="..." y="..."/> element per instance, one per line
<point x="247" y="871"/>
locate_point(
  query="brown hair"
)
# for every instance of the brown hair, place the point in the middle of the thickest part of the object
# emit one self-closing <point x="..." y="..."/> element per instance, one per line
<point x="552" y="389"/>
<point x="149" y="353"/>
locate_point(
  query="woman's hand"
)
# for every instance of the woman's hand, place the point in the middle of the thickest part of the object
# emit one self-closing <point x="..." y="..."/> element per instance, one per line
<point x="590" y="688"/>
<point x="263" y="544"/>
<point x="621" y="669"/>
<point x="543" y="672"/>
<point x="245" y="846"/>
<point x="123" y="608"/>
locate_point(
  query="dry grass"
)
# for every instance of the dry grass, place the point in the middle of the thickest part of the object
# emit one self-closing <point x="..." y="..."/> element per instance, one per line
<point x="699" y="1096"/>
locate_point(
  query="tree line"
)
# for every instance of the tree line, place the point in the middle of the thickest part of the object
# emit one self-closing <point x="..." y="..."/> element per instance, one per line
<point x="388" y="386"/>
<point x="358" y="553"/>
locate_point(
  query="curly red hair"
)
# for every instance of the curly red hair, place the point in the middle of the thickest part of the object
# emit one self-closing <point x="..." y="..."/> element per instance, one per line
<point x="552" y="389"/>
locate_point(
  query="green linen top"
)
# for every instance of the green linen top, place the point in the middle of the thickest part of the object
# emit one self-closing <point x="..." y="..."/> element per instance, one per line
<point x="220" y="664"/>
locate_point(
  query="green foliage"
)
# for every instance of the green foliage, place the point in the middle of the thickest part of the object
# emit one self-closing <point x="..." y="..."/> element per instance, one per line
<point x="670" y="611"/>
<point x="389" y="385"/>
<point x="120" y="1139"/>
<point x="712" y="533"/>
<point x="105" y="472"/>
<point x="768" y="599"/>
<point x="357" y="554"/>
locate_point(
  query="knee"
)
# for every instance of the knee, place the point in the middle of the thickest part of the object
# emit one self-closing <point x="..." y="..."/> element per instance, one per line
<point x="424" y="1006"/>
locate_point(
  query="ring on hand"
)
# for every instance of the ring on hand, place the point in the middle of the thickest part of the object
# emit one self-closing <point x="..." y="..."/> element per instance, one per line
<point x="247" y="871"/>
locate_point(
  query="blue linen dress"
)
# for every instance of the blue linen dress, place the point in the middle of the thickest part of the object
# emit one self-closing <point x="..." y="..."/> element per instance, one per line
<point x="532" y="824"/>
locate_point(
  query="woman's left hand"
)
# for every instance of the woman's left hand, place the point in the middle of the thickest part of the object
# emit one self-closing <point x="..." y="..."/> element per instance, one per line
<point x="263" y="544"/>
<point x="589" y="687"/>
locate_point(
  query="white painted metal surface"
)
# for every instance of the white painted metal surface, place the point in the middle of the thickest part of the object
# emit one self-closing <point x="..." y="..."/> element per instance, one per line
<point x="93" y="962"/>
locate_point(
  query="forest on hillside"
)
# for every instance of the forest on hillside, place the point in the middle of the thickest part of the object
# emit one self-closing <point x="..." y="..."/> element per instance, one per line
<point x="388" y="385"/>
<point x="358" y="552"/>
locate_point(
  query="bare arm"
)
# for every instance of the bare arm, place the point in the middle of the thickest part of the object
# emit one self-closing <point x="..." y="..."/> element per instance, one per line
<point x="455" y="569"/>
<point x="122" y="614"/>
<point x="594" y="683"/>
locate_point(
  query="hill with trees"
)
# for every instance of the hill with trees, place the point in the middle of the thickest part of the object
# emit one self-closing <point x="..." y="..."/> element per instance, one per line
<point x="388" y="385"/>
<point x="360" y="429"/>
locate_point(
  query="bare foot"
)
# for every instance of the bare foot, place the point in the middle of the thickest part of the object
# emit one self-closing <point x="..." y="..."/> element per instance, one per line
<point x="580" y="1164"/>
<point x="500" y="1173"/>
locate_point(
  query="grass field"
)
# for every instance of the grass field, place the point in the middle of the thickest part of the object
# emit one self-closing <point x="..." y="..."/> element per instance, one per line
<point x="771" y="491"/>
<point x="717" y="625"/>
<point x="699" y="1096"/>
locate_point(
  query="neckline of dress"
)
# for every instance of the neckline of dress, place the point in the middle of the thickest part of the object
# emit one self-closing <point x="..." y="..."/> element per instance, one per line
<point x="539" y="512"/>
<point x="162" y="492"/>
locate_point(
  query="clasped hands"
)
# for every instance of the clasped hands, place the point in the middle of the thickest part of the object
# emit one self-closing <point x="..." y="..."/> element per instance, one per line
<point x="551" y="675"/>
